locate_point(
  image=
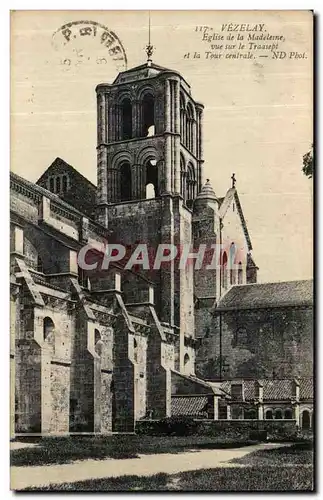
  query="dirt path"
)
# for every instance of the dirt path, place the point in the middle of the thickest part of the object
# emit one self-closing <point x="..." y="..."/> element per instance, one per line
<point x="145" y="465"/>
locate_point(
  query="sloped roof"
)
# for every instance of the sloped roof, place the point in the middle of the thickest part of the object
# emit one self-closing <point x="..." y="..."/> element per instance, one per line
<point x="213" y="388"/>
<point x="60" y="163"/>
<point x="141" y="72"/>
<point x="274" y="389"/>
<point x="43" y="192"/>
<point x="207" y="192"/>
<point x="189" y="405"/>
<point x="266" y="295"/>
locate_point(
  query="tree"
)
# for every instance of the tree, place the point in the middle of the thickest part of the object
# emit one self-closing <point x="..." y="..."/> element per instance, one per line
<point x="308" y="164"/>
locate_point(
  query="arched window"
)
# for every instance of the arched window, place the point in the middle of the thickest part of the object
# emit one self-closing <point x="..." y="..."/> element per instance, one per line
<point x="126" y="119"/>
<point x="288" y="415"/>
<point x="224" y="270"/>
<point x="125" y="181"/>
<point x="152" y="179"/>
<point x="269" y="415"/>
<point x="250" y="414"/>
<point x="183" y="176"/>
<point x="189" y="126"/>
<point x="278" y="415"/>
<point x="190" y="183"/>
<point x="98" y="343"/>
<point x="232" y="264"/>
<point x="240" y="274"/>
<point x="306" y="421"/>
<point x="51" y="184"/>
<point x="148" y="115"/>
<point x="58" y="184"/>
<point x="48" y="328"/>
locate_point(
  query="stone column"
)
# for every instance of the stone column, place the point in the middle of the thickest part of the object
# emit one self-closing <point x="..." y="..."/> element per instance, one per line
<point x="167" y="106"/>
<point x="177" y="141"/>
<point x="101" y="118"/>
<point x="136" y="182"/>
<point x="200" y="132"/>
<point x="216" y="407"/>
<point x="110" y="121"/>
<point x="113" y="183"/>
<point x="168" y="163"/>
<point x="194" y="149"/>
<point x="136" y="132"/>
<point x="228" y="412"/>
<point x="197" y="132"/>
<point x="296" y="412"/>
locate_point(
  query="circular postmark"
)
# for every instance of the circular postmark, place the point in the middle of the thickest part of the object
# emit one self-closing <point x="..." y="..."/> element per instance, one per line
<point x="84" y="43"/>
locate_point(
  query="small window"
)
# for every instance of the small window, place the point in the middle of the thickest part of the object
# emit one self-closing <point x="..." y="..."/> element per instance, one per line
<point x="236" y="412"/>
<point x="269" y="415"/>
<point x="278" y="414"/>
<point x="224" y="270"/>
<point x="98" y="342"/>
<point x="223" y="411"/>
<point x="186" y="359"/>
<point x="241" y="337"/>
<point x="150" y="191"/>
<point x="58" y="184"/>
<point x="64" y="183"/>
<point x="232" y="264"/>
<point x="250" y="414"/>
<point x="40" y="266"/>
<point x="97" y="336"/>
<point x="51" y="184"/>
<point x="48" y="328"/>
<point x="288" y="415"/>
<point x="126" y="117"/>
<point x="236" y="392"/>
<point x="125" y="181"/>
<point x="240" y="274"/>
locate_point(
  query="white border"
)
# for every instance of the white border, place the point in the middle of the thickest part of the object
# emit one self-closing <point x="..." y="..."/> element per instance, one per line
<point x="4" y="177"/>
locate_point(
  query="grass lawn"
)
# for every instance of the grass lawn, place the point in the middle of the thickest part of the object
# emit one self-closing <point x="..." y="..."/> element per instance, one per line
<point x="289" y="468"/>
<point x="296" y="454"/>
<point x="233" y="479"/>
<point x="60" y="450"/>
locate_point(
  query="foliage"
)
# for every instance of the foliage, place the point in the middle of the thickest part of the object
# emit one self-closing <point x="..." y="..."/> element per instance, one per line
<point x="308" y="163"/>
<point x="178" y="426"/>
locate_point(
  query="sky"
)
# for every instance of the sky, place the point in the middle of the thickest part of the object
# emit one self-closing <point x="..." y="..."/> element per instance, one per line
<point x="258" y="118"/>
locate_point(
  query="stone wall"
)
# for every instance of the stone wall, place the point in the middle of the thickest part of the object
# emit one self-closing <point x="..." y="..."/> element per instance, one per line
<point x="259" y="344"/>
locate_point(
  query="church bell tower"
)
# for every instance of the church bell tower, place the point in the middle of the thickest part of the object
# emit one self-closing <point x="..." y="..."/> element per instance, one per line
<point x="149" y="134"/>
<point x="149" y="171"/>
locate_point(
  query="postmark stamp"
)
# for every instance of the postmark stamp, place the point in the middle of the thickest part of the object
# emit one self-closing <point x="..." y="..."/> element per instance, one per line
<point x="88" y="42"/>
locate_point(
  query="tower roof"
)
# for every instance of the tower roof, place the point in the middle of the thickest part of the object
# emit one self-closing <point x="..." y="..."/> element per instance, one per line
<point x="146" y="70"/>
<point x="207" y="192"/>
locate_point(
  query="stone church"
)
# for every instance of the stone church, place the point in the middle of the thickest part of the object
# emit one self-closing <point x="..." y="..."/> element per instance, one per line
<point x="94" y="352"/>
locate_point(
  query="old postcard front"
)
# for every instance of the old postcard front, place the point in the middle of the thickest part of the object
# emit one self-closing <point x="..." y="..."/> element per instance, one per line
<point x="161" y="251"/>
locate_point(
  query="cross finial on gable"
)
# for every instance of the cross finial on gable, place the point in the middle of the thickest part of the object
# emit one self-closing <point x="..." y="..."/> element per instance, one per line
<point x="234" y="180"/>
